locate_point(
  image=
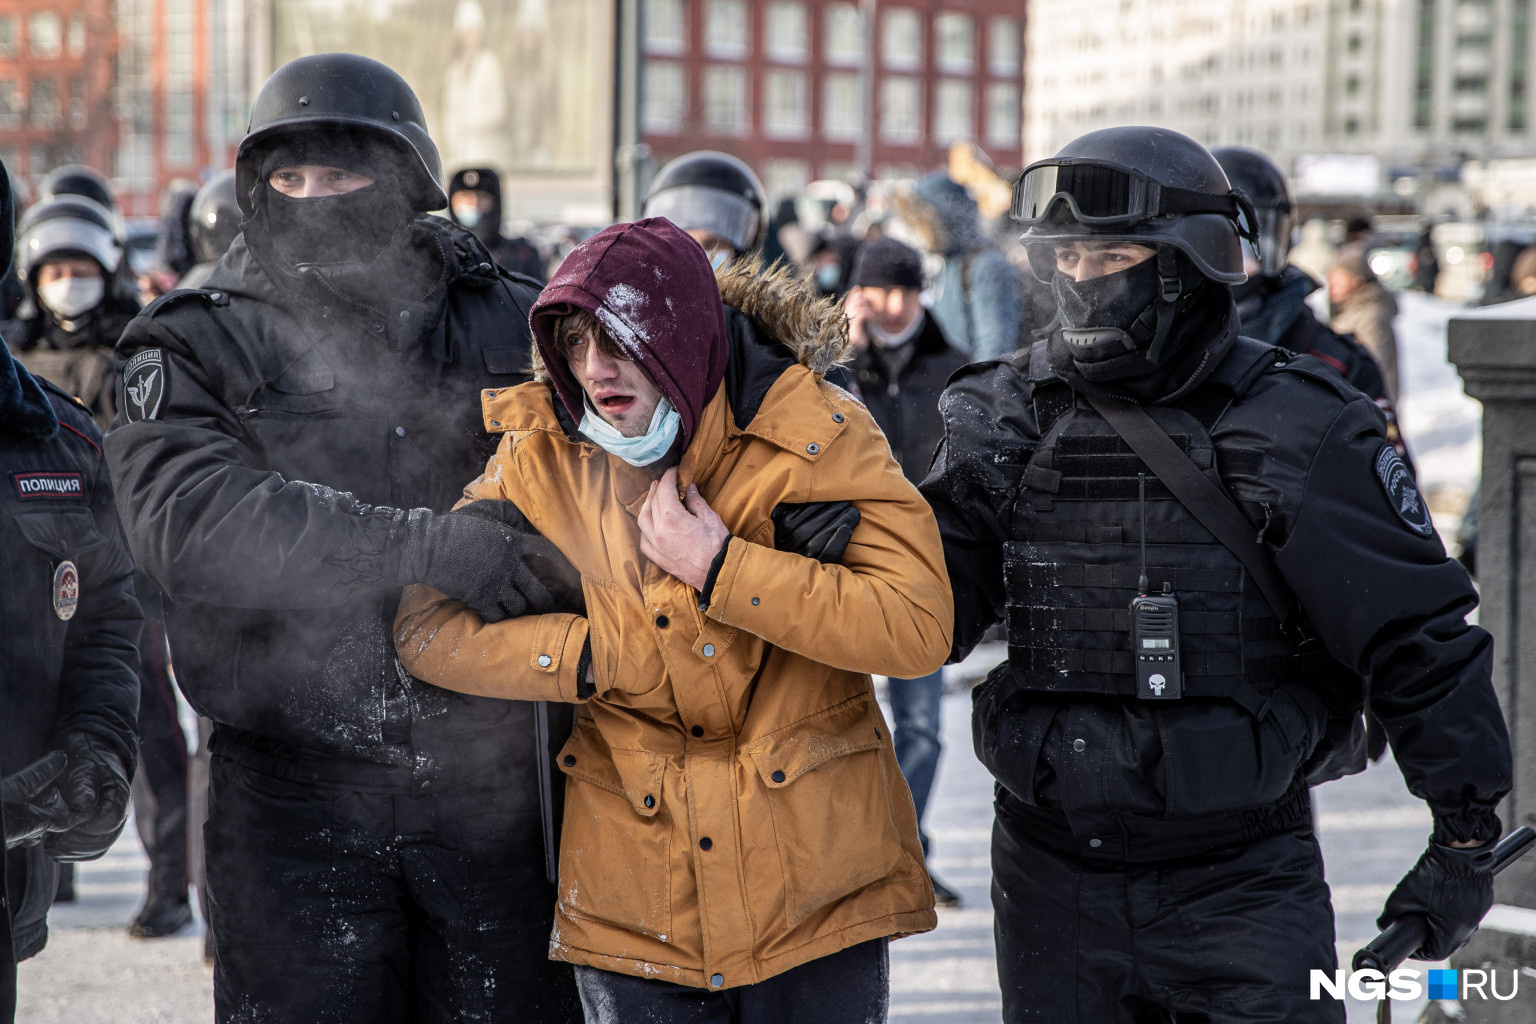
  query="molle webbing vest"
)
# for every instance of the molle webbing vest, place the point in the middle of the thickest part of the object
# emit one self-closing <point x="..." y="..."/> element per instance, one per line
<point x="1073" y="566"/>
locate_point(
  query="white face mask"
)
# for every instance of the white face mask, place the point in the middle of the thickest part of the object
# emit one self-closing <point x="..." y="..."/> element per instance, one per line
<point x="69" y="297"/>
<point x="637" y="451"/>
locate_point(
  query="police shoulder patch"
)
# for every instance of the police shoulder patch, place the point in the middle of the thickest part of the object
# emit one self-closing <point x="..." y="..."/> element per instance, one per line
<point x="1402" y="492"/>
<point x="144" y="385"/>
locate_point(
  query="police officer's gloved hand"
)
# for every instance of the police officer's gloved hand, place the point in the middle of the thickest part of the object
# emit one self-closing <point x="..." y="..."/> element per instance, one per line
<point x="94" y="786"/>
<point x="33" y="807"/>
<point x="487" y="555"/>
<point x="815" y="529"/>
<point x="1451" y="889"/>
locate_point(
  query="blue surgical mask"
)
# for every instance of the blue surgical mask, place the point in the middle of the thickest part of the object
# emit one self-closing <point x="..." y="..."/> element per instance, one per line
<point x="720" y="258"/>
<point x="827" y="276"/>
<point x="637" y="451"/>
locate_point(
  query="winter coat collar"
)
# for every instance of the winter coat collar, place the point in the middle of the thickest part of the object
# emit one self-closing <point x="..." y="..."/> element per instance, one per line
<point x="24" y="408"/>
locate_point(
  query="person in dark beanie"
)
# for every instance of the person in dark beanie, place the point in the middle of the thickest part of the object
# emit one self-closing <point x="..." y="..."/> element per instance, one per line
<point x="900" y="364"/>
<point x="293" y="435"/>
<point x="474" y="200"/>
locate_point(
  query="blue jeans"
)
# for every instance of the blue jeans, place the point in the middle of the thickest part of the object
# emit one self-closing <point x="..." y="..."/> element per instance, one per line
<point x="915" y="708"/>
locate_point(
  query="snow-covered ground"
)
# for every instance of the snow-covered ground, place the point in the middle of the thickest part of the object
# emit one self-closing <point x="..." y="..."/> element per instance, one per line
<point x="1370" y="828"/>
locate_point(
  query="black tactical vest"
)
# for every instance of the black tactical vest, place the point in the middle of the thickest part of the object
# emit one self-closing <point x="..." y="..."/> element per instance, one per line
<point x="1072" y="569"/>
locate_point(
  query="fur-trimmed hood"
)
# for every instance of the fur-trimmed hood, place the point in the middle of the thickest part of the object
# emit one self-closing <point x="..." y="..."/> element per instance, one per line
<point x="783" y="308"/>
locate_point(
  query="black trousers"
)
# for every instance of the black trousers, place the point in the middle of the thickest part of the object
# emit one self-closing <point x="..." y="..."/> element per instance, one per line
<point x="1224" y="939"/>
<point x="160" y="784"/>
<point x="338" y="906"/>
<point x="851" y="986"/>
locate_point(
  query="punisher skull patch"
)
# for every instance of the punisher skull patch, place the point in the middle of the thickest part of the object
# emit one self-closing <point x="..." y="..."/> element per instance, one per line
<point x="1402" y="492"/>
<point x="144" y="385"/>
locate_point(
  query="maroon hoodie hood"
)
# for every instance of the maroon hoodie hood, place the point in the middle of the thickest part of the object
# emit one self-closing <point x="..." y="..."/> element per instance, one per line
<point x="651" y="287"/>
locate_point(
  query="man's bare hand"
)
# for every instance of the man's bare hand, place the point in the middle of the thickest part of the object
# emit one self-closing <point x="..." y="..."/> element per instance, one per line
<point x="682" y="537"/>
<point x="857" y="309"/>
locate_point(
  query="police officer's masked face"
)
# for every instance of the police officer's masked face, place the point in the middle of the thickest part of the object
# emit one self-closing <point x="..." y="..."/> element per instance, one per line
<point x="351" y="225"/>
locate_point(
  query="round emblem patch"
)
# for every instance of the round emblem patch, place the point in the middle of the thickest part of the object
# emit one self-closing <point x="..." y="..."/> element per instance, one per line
<point x="66" y="590"/>
<point x="1402" y="492"/>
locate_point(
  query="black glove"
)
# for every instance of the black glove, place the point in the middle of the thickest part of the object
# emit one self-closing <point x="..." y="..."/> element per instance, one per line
<point x="1451" y="889"/>
<point x="31" y="814"/>
<point x="94" y="786"/>
<point x="815" y="529"/>
<point x="489" y="556"/>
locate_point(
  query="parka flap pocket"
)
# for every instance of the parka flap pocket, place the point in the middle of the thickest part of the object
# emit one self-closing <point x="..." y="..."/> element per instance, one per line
<point x="505" y="360"/>
<point x="635" y="775"/>
<point x="642" y="773"/>
<point x="305" y="382"/>
<point x="62" y="533"/>
<point x="846" y="728"/>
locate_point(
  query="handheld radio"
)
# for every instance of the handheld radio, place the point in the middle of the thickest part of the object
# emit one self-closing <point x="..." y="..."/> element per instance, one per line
<point x="1155" y="631"/>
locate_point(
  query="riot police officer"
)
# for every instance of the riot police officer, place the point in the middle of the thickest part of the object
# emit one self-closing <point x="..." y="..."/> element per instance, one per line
<point x="1272" y="303"/>
<point x="716" y="198"/>
<point x="373" y="846"/>
<point x="213" y="222"/>
<point x="69" y="687"/>
<point x="70" y="257"/>
<point x="1152" y="851"/>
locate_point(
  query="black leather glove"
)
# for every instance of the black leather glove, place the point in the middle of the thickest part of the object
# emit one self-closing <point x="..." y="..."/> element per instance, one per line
<point x="30" y="812"/>
<point x="95" y="787"/>
<point x="489" y="556"/>
<point x="815" y="529"/>
<point x="1451" y="889"/>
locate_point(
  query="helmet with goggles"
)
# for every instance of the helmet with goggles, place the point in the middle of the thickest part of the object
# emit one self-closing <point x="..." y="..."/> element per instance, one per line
<point x="1148" y="186"/>
<point x="713" y="192"/>
<point x="1261" y="180"/>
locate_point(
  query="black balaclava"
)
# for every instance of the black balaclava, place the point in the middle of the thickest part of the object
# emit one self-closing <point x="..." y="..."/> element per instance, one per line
<point x="353" y="228"/>
<point x="1148" y="334"/>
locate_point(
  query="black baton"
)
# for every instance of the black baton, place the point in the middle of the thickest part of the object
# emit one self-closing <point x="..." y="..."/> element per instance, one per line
<point x="547" y="788"/>
<point x="1394" y="945"/>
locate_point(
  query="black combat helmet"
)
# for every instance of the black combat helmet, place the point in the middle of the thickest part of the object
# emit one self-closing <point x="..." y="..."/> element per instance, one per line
<point x="330" y="91"/>
<point x="1151" y="186"/>
<point x="1257" y="176"/>
<point x="214" y="217"/>
<point x="80" y="180"/>
<point x="67" y="225"/>
<point x="714" y="192"/>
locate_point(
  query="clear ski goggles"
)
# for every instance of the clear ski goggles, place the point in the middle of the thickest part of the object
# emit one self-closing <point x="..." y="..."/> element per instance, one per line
<point x="1106" y="195"/>
<point x="702" y="208"/>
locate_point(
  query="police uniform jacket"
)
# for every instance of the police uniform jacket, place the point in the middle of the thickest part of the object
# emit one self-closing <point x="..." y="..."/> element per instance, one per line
<point x="70" y="660"/>
<point x="272" y="434"/>
<point x="1307" y="460"/>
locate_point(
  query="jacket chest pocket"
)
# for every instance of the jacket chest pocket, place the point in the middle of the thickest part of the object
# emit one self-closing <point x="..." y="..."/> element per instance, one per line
<point x="616" y="843"/>
<point x="831" y="804"/>
<point x="305" y="429"/>
<point x="40" y="578"/>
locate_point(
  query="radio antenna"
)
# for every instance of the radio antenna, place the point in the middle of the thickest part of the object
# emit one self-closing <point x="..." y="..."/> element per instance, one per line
<point x="1142" y="583"/>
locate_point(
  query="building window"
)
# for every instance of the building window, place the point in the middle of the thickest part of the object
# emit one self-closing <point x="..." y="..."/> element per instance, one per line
<point x="46" y="34"/>
<point x="842" y="106"/>
<point x="725" y="99"/>
<point x="954" y="45"/>
<point x="845" y="34"/>
<point x="75" y="40"/>
<point x="1003" y="46"/>
<point x="1003" y="115"/>
<point x="178" y="128"/>
<point x="666" y="102"/>
<point x="10" y="107"/>
<point x="784" y="103"/>
<point x="1470" y="125"/>
<point x="44" y="103"/>
<point x="77" y="103"/>
<point x="783" y="179"/>
<point x="7" y="35"/>
<point x="725" y="28"/>
<point x="787" y="32"/>
<point x="901" y="39"/>
<point x="952" y="111"/>
<point x="666" y="29"/>
<point x="901" y="110"/>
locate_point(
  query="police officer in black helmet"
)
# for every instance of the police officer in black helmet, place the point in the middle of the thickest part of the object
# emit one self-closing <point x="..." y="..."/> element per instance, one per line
<point x="1159" y="718"/>
<point x="212" y="224"/>
<point x="716" y="198"/>
<point x="293" y="435"/>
